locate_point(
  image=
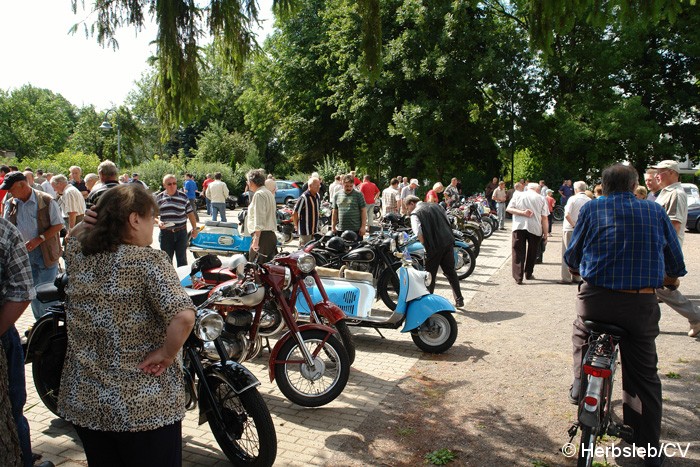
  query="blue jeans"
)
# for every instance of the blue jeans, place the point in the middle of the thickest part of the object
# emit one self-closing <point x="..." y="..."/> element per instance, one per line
<point x="208" y="201"/>
<point x="18" y="390"/>
<point x="41" y="275"/>
<point x="218" y="208"/>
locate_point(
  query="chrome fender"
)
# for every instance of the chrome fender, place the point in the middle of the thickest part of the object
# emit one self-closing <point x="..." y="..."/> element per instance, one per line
<point x="420" y="309"/>
<point x="285" y="338"/>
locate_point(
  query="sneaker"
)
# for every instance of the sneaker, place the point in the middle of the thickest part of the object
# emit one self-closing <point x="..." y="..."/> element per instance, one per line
<point x="573" y="394"/>
<point x="459" y="303"/>
<point x="530" y="277"/>
<point x="694" y="330"/>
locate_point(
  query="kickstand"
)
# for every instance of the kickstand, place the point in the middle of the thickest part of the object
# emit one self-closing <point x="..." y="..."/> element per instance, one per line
<point x="266" y="345"/>
<point x="379" y="332"/>
<point x="572" y="431"/>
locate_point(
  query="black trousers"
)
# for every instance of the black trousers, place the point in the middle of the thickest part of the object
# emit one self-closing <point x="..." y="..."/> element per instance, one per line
<point x="639" y="315"/>
<point x="175" y="243"/>
<point x="267" y="247"/>
<point x="161" y="447"/>
<point x="525" y="246"/>
<point x="445" y="259"/>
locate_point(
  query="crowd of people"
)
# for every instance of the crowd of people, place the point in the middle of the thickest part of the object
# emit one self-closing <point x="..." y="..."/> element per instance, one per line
<point x="619" y="282"/>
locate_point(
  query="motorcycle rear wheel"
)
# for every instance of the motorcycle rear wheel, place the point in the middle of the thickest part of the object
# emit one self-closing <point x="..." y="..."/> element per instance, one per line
<point x="299" y="383"/>
<point x="346" y="339"/>
<point x="437" y="334"/>
<point x="388" y="285"/>
<point x="47" y="366"/>
<point x="246" y="435"/>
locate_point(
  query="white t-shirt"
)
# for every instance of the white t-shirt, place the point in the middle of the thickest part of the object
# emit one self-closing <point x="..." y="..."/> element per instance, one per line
<point x="572" y="208"/>
<point x="531" y="200"/>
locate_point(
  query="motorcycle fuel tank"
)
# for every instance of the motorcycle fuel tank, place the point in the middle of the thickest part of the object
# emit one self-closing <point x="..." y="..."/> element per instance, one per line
<point x="365" y="255"/>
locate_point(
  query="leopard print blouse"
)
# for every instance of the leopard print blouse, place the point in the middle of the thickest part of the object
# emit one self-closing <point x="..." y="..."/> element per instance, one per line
<point x="118" y="307"/>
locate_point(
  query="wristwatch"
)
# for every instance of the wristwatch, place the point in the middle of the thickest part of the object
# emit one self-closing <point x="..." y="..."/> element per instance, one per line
<point x="43" y="239"/>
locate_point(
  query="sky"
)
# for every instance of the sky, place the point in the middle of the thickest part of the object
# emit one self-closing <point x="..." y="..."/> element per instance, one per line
<point x="36" y="48"/>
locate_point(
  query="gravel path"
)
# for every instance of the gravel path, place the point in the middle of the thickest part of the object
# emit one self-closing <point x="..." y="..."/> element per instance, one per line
<point x="498" y="396"/>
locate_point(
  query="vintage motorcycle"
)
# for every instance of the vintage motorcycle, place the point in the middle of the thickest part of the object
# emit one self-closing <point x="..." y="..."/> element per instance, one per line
<point x="428" y="317"/>
<point x="224" y="389"/>
<point x="310" y="365"/>
<point x="207" y="272"/>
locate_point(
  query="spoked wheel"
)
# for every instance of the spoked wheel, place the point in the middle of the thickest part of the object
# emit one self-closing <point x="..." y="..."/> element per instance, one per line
<point x="47" y="366"/>
<point x="346" y="339"/>
<point x="465" y="262"/>
<point x="437" y="333"/>
<point x="317" y="385"/>
<point x="486" y="227"/>
<point x="558" y="212"/>
<point x="586" y="448"/>
<point x="246" y="434"/>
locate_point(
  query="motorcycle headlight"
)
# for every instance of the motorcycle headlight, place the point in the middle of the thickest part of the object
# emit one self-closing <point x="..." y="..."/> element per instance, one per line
<point x="287" y="278"/>
<point x="208" y="325"/>
<point x="306" y="263"/>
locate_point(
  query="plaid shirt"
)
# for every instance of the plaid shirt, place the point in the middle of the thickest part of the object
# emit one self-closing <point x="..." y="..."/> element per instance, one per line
<point x="623" y="243"/>
<point x="16" y="284"/>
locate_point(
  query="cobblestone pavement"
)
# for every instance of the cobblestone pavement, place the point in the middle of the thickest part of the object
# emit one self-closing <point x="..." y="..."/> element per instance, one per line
<point x="305" y="436"/>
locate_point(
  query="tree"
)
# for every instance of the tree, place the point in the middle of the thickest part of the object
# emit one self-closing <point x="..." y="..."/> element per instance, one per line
<point x="219" y="145"/>
<point x="34" y="121"/>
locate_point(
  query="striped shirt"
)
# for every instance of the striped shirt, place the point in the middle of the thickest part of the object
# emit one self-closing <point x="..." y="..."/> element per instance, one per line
<point x="174" y="208"/>
<point x="623" y="243"/>
<point x="349" y="206"/>
<point x="308" y="209"/>
<point x="71" y="201"/>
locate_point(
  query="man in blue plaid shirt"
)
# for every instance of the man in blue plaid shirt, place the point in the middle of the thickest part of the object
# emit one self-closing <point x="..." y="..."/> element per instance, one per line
<point x="625" y="249"/>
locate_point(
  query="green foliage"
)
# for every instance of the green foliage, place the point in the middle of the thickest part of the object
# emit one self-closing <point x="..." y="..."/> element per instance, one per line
<point x="34" y="122"/>
<point x="61" y="162"/>
<point x="330" y="167"/>
<point x="673" y="375"/>
<point x="217" y="144"/>
<point x="200" y="169"/>
<point x="440" y="457"/>
<point x="152" y="172"/>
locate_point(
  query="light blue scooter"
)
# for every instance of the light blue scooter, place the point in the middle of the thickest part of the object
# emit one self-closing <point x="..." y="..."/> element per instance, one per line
<point x="428" y="317"/>
<point x="465" y="258"/>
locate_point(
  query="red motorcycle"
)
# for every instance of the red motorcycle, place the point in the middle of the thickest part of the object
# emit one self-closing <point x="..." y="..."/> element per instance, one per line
<point x="310" y="364"/>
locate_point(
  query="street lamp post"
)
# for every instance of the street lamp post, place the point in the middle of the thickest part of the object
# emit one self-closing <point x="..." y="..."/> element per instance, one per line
<point x="107" y="126"/>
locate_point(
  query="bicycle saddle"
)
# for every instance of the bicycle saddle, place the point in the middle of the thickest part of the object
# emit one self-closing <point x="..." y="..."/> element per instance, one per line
<point x="604" y="328"/>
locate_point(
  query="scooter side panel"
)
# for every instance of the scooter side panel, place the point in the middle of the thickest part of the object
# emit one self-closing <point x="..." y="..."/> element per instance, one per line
<point x="422" y="308"/>
<point x="354" y="298"/>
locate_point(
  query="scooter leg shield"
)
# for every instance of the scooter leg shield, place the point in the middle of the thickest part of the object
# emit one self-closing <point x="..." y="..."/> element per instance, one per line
<point x="422" y="308"/>
<point x="285" y="338"/>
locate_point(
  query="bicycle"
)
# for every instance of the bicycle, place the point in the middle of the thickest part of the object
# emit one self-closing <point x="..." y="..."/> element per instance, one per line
<point x="595" y="391"/>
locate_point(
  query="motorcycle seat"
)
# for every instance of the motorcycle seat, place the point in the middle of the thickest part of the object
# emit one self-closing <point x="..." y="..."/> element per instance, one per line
<point x="218" y="275"/>
<point x="48" y="292"/>
<point x="358" y="275"/>
<point x="327" y="272"/>
<point x="230" y="225"/>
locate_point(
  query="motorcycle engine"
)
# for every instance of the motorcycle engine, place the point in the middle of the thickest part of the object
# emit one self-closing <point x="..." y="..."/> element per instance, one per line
<point x="234" y="343"/>
<point x="271" y="321"/>
<point x="359" y="266"/>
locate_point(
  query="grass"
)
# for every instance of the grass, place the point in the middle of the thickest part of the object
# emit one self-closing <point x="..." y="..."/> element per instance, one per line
<point x="407" y="431"/>
<point x="440" y="457"/>
<point x="673" y="375"/>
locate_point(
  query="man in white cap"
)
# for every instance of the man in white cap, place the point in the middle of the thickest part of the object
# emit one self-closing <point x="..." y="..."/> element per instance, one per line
<point x="674" y="200"/>
<point x="406" y="191"/>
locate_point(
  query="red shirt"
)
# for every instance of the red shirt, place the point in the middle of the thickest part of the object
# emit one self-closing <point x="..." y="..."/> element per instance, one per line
<point x="370" y="191"/>
<point x="206" y="183"/>
<point x="2" y="192"/>
<point x="356" y="181"/>
<point x="431" y="196"/>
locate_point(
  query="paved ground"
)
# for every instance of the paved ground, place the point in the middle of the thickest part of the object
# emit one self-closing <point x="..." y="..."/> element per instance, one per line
<point x="380" y="364"/>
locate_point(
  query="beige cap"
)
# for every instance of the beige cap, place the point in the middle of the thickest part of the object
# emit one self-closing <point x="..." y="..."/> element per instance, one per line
<point x="414" y="181"/>
<point x="667" y="164"/>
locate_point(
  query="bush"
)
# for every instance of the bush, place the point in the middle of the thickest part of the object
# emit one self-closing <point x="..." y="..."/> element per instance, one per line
<point x="60" y="163"/>
<point x="200" y="169"/>
<point x="330" y="167"/>
<point x="151" y="172"/>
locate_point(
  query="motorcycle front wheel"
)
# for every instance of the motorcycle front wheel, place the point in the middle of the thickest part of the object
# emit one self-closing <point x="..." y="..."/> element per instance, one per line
<point x="47" y="366"/>
<point x="346" y="339"/>
<point x="388" y="285"/>
<point x="246" y="434"/>
<point x="465" y="262"/>
<point x="312" y="386"/>
<point x="486" y="227"/>
<point x="437" y="333"/>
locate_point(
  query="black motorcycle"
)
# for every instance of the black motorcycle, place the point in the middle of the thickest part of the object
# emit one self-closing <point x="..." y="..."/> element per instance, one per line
<point x="224" y="389"/>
